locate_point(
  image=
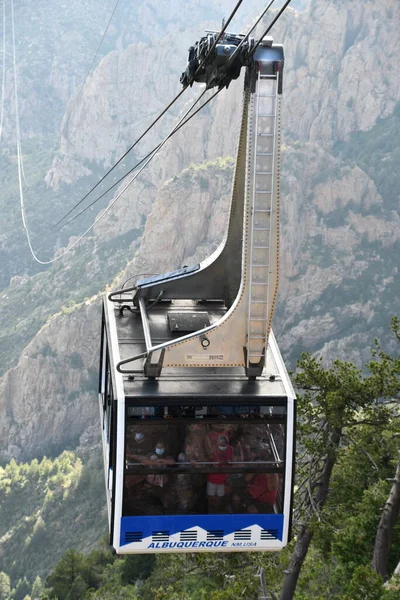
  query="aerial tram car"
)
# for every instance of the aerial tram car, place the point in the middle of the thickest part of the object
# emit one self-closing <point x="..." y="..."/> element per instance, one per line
<point x="197" y="409"/>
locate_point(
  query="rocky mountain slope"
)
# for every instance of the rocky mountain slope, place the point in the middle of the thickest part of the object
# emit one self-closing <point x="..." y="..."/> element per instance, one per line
<point x="340" y="222"/>
<point x="340" y="77"/>
<point x="339" y="232"/>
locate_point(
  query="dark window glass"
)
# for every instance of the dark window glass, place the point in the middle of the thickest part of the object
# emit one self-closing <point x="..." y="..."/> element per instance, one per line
<point x="229" y="461"/>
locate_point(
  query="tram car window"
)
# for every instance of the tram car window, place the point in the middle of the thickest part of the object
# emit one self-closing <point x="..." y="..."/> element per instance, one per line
<point x="231" y="459"/>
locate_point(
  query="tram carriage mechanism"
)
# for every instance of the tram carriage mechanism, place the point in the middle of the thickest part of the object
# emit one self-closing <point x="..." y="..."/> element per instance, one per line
<point x="197" y="409"/>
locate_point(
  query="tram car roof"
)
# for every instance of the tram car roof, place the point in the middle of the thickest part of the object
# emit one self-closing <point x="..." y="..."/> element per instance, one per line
<point x="166" y="319"/>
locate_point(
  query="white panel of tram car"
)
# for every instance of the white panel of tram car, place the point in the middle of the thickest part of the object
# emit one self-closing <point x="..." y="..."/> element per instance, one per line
<point x="202" y="532"/>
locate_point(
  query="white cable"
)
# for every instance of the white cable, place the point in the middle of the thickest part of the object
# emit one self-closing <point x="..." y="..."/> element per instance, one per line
<point x="105" y="211"/>
<point x="22" y="166"/>
<point x="19" y="158"/>
<point x="17" y="127"/>
<point x="4" y="69"/>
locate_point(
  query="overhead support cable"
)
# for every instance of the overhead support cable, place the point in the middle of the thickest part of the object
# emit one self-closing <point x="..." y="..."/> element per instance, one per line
<point x="18" y="134"/>
<point x="270" y="26"/>
<point x="53" y="230"/>
<point x="96" y="53"/>
<point x="3" y="86"/>
<point x="246" y="37"/>
<point x="234" y="52"/>
<point x="221" y="33"/>
<point x="147" y="160"/>
<point x="121" y="159"/>
<point x="223" y="29"/>
<point x="105" y="211"/>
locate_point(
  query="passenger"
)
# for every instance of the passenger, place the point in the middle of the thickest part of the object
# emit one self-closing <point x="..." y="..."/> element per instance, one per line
<point x="195" y="450"/>
<point x="262" y="489"/>
<point x="158" y="479"/>
<point x="138" y="440"/>
<point x="137" y="500"/>
<point x="161" y="487"/>
<point x="237" y="481"/>
<point x="160" y="456"/>
<point x="254" y="435"/>
<point x="138" y="445"/>
<point x="211" y="439"/>
<point x="216" y="481"/>
<point x="134" y="491"/>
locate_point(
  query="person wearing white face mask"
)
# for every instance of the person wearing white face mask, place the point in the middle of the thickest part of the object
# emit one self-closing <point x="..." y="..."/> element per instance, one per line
<point x="161" y="482"/>
<point x="138" y="445"/>
<point x="161" y="457"/>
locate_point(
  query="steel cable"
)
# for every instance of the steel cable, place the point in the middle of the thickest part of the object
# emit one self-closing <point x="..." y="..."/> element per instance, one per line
<point x="96" y="53"/>
<point x="246" y="37"/>
<point x="103" y="213"/>
<point x="280" y="12"/>
<point x="147" y="160"/>
<point x="221" y="33"/>
<point x="53" y="230"/>
<point x="151" y="125"/>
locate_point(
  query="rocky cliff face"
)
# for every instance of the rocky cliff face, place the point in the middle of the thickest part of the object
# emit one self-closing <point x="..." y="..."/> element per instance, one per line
<point x="48" y="400"/>
<point x="340" y="77"/>
<point x="339" y="229"/>
<point x="56" y="42"/>
<point x="341" y="74"/>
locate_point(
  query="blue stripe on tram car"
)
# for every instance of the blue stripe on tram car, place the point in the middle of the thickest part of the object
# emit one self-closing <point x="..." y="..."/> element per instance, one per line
<point x="201" y="531"/>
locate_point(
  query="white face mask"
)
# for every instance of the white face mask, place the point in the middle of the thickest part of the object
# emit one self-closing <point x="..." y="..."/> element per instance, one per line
<point x="159" y="451"/>
<point x="222" y="448"/>
<point x="139" y="436"/>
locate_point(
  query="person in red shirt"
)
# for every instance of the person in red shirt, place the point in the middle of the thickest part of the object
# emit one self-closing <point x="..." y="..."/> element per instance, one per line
<point x="216" y="481"/>
<point x="262" y="490"/>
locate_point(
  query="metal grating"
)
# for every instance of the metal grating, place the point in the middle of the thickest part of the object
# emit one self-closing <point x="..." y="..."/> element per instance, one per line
<point x="215" y="534"/>
<point x="243" y="534"/>
<point x="133" y="536"/>
<point x="160" y="536"/>
<point x="269" y="534"/>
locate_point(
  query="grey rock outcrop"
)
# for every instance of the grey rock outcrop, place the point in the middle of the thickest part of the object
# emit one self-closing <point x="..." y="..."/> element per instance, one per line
<point x="341" y="76"/>
<point x="339" y="272"/>
<point x="49" y="399"/>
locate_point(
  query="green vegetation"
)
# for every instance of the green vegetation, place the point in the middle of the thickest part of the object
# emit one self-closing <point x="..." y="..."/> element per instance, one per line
<point x="46" y="507"/>
<point x="222" y="163"/>
<point x="57" y="289"/>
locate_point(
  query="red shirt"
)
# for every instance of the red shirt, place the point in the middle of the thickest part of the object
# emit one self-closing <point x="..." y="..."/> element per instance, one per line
<point x="264" y="488"/>
<point x="220" y="457"/>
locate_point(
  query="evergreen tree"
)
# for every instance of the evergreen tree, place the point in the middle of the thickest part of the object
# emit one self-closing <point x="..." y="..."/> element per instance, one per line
<point x="64" y="576"/>
<point x="37" y="589"/>
<point x="5" y="586"/>
<point x="333" y="403"/>
<point x="21" y="590"/>
<point x="137" y="566"/>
